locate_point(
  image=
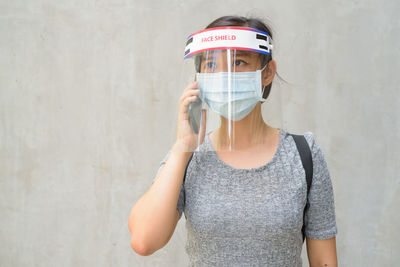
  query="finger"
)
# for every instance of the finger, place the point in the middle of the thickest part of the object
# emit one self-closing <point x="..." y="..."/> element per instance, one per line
<point x="188" y="93"/>
<point x="183" y="107"/>
<point x="193" y="85"/>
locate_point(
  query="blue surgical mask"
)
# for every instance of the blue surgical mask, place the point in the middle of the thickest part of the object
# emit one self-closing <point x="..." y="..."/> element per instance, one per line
<point x="231" y="94"/>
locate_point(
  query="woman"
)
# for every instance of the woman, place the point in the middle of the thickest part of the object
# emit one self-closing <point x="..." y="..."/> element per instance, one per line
<point x="243" y="192"/>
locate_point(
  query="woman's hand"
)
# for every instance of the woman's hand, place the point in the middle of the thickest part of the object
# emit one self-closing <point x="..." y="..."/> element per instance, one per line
<point x="187" y="140"/>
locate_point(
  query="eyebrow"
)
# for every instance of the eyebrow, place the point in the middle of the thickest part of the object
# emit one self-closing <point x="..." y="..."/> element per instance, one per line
<point x="207" y="55"/>
<point x="243" y="53"/>
<point x="237" y="53"/>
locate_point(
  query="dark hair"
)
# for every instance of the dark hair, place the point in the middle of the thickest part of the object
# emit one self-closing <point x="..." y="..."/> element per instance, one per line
<point x="252" y="23"/>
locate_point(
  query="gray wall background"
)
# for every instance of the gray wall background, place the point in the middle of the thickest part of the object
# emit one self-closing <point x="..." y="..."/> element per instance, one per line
<point x="88" y="103"/>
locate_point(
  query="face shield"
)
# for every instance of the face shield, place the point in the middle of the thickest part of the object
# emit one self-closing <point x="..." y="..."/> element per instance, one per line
<point x="228" y="64"/>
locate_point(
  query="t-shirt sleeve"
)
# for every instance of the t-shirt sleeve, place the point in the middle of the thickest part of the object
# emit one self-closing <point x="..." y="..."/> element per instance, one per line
<point x="180" y="203"/>
<point x="320" y="221"/>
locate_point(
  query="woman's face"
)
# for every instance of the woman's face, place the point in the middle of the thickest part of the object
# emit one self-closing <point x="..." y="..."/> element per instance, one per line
<point x="230" y="60"/>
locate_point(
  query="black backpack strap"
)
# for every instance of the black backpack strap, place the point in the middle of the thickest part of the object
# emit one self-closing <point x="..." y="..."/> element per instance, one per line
<point x="187" y="165"/>
<point x="184" y="177"/>
<point x="306" y="160"/>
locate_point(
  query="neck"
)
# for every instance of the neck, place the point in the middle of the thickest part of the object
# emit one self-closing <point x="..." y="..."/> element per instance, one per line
<point x="243" y="134"/>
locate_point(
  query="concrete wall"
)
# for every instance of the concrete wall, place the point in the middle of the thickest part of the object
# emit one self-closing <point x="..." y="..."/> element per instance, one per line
<point x="88" y="102"/>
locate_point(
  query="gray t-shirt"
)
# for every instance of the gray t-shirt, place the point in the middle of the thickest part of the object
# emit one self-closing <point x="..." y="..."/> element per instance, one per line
<point x="253" y="217"/>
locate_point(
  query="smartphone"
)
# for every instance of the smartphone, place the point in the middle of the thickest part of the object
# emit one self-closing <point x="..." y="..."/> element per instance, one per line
<point x="194" y="111"/>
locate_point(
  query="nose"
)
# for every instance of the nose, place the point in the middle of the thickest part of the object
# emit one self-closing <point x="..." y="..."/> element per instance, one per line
<point x="222" y="65"/>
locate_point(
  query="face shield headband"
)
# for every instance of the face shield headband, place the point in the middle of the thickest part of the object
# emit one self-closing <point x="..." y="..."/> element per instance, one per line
<point x="239" y="38"/>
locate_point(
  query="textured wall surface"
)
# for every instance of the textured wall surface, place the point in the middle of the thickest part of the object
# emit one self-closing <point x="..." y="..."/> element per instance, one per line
<point x="88" y="103"/>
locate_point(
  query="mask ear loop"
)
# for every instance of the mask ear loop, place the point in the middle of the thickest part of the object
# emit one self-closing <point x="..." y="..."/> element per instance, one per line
<point x="262" y="100"/>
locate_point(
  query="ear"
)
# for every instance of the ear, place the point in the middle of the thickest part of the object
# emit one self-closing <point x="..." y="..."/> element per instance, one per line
<point x="268" y="73"/>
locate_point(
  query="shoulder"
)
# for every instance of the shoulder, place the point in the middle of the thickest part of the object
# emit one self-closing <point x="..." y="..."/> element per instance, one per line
<point x="310" y="138"/>
<point x="318" y="157"/>
<point x="197" y="159"/>
<point x="192" y="163"/>
<point x="312" y="143"/>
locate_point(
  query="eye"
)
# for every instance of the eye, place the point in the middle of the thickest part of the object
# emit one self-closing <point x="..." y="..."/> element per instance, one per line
<point x="239" y="62"/>
<point x="209" y="65"/>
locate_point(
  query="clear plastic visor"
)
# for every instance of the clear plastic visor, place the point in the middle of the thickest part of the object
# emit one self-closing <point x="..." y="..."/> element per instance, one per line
<point x="226" y="116"/>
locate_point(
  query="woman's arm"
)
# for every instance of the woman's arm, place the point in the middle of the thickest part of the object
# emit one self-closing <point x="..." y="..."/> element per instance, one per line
<point x="322" y="252"/>
<point x="153" y="218"/>
<point x="320" y="218"/>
